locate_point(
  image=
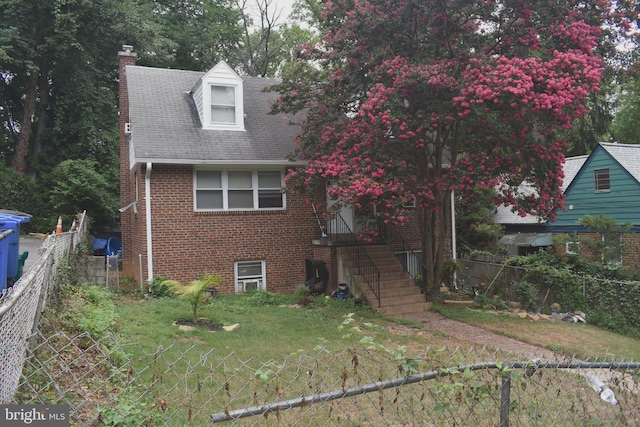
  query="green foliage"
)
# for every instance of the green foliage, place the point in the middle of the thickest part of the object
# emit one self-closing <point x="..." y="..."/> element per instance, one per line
<point x="586" y="285"/>
<point x="526" y="294"/>
<point x="86" y="308"/>
<point x="78" y="186"/>
<point x="607" y="245"/>
<point x="264" y="298"/>
<point x="15" y="190"/>
<point x="475" y="229"/>
<point x="626" y="127"/>
<point x="196" y="292"/>
<point x="487" y="303"/>
<point x="131" y="408"/>
<point x="159" y="289"/>
<point x="303" y="295"/>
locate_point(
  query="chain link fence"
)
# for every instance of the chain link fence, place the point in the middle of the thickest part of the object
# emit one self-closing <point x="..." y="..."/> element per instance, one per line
<point x="22" y="304"/>
<point x="108" y="383"/>
<point x="611" y="303"/>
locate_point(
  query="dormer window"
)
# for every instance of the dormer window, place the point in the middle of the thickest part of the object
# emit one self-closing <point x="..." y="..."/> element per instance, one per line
<point x="223" y="104"/>
<point x="219" y="99"/>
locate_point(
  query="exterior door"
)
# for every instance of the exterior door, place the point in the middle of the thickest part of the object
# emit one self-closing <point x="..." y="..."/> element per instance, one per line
<point x="335" y="225"/>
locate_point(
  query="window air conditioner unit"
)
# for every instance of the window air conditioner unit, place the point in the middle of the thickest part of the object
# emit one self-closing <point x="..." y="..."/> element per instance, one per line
<point x="127" y="128"/>
<point x="250" y="285"/>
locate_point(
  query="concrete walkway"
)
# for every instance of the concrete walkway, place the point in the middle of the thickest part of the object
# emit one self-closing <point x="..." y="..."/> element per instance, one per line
<point x="30" y="244"/>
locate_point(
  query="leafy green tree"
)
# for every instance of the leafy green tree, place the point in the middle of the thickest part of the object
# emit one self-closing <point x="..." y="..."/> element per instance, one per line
<point x="194" y="34"/>
<point x="626" y="124"/>
<point x="78" y="187"/>
<point x="475" y="229"/>
<point x="607" y="244"/>
<point x="268" y="46"/>
<point x="417" y="99"/>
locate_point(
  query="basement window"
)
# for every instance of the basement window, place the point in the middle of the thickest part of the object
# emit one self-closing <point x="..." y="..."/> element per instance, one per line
<point x="250" y="276"/>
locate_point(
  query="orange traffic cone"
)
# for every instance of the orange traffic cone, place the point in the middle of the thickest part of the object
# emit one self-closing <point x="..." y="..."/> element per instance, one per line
<point x="59" y="226"/>
<point x="73" y="225"/>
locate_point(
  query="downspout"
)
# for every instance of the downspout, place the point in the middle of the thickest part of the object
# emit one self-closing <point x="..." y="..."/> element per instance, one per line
<point x="147" y="198"/>
<point x="453" y="237"/>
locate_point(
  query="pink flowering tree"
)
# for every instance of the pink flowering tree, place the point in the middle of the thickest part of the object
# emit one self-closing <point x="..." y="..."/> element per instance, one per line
<point x="413" y="99"/>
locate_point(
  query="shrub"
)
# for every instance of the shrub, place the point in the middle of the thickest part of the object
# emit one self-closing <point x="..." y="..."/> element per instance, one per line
<point x="159" y="289"/>
<point x="526" y="294"/>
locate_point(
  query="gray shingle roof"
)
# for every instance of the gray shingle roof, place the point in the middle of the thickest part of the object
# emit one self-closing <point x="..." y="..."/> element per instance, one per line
<point x="166" y="128"/>
<point x="504" y="215"/>
<point x="628" y="155"/>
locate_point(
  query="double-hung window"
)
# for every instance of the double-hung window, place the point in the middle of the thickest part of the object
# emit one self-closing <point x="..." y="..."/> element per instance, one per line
<point x="601" y="180"/>
<point x="223" y="104"/>
<point x="238" y="189"/>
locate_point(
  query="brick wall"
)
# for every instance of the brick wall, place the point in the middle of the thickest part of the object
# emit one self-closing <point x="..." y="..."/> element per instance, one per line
<point x="630" y="250"/>
<point x="185" y="243"/>
<point x="125" y="58"/>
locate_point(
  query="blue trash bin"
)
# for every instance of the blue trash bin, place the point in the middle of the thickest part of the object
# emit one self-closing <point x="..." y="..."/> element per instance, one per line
<point x="4" y="255"/>
<point x="11" y="220"/>
<point x="113" y="246"/>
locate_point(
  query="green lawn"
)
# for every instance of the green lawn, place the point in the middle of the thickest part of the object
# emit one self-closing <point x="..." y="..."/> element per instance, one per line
<point x="282" y="351"/>
<point x="271" y="326"/>
<point x="582" y="340"/>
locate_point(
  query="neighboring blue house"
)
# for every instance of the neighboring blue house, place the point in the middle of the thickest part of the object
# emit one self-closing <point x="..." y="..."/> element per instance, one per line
<point x="608" y="183"/>
<point x="605" y="182"/>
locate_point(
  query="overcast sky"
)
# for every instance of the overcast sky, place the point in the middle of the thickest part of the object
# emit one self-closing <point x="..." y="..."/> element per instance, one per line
<point x="282" y="6"/>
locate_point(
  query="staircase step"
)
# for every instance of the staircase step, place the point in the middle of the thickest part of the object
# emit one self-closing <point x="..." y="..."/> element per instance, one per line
<point x="398" y="293"/>
<point x="400" y="310"/>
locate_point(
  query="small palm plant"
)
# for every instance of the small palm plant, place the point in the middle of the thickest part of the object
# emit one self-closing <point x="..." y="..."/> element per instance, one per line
<point x="195" y="292"/>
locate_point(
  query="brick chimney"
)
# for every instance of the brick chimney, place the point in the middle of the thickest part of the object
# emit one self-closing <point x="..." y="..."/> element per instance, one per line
<point x="126" y="57"/>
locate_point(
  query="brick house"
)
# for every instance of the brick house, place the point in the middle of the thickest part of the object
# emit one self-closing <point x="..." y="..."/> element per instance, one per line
<point x="202" y="168"/>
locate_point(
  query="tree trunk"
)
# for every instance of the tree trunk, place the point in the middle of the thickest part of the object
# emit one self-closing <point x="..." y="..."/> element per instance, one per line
<point x="19" y="161"/>
<point x="42" y="107"/>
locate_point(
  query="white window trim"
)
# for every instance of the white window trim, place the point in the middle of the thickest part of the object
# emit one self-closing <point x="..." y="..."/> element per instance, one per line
<point x="208" y="103"/>
<point x="596" y="180"/>
<point x="225" y="190"/>
<point x="220" y="75"/>
<point x="574" y="244"/>
<point x="411" y="203"/>
<point x="240" y="282"/>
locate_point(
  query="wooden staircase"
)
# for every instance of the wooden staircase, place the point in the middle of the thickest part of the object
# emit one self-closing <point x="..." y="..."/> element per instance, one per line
<point x="399" y="295"/>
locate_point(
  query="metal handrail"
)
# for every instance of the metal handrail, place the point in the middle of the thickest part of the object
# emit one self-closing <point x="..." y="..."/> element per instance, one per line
<point x="411" y="261"/>
<point x="341" y="232"/>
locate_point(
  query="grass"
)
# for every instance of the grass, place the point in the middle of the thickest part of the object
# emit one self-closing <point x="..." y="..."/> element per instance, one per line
<point x="582" y="340"/>
<point x="283" y="351"/>
<point x="271" y="326"/>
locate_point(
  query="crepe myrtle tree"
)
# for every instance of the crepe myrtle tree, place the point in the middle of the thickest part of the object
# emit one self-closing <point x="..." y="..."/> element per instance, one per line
<point x="418" y="98"/>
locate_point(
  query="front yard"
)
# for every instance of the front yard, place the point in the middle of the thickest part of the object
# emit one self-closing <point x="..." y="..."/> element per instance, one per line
<point x="137" y="367"/>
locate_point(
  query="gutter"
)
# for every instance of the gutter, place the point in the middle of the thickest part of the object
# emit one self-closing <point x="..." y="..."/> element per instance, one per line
<point x="147" y="199"/>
